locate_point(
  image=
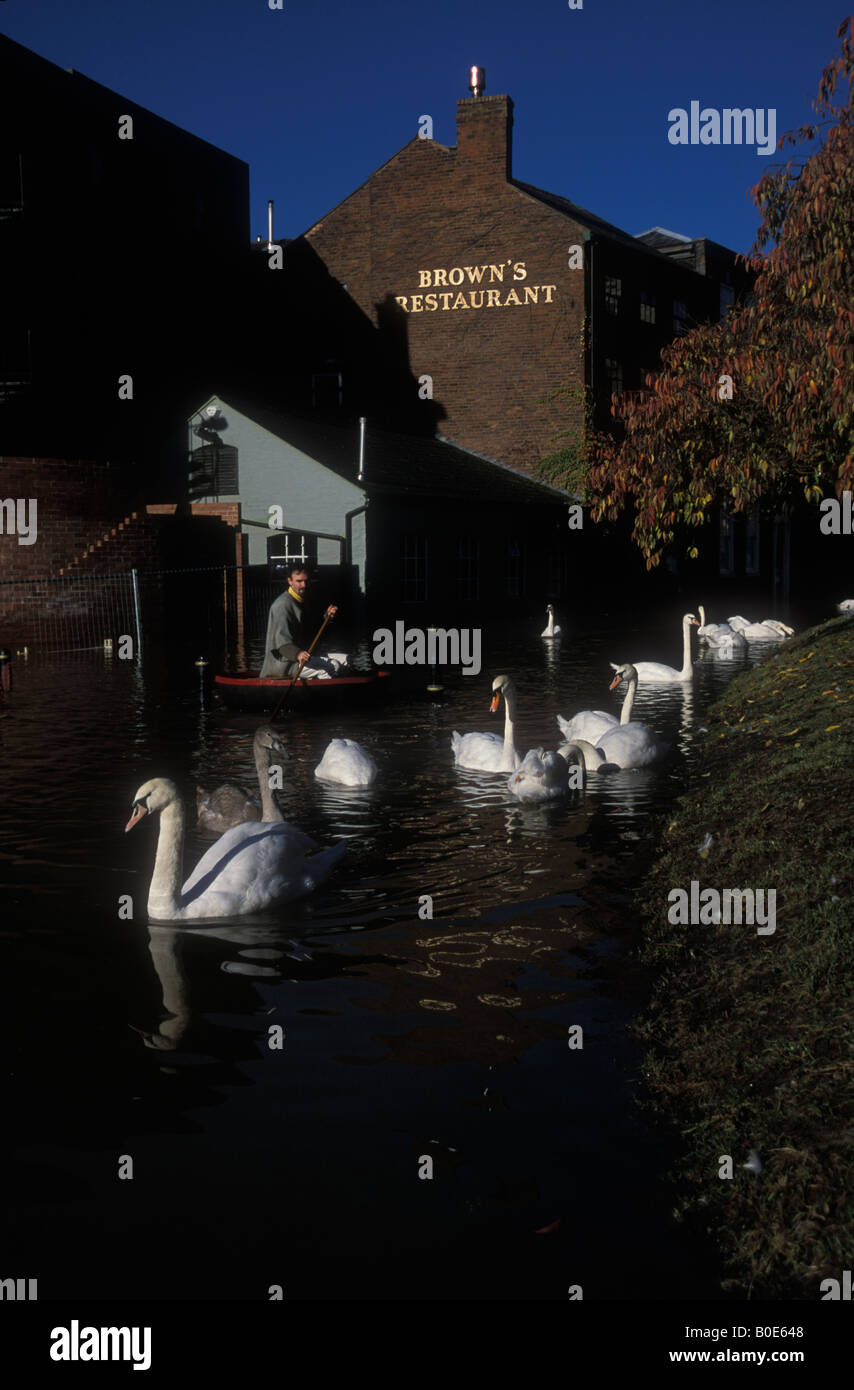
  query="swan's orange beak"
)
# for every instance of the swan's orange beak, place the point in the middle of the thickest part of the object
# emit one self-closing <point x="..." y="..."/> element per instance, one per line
<point x="139" y="811"/>
<point x="495" y="702"/>
<point x="615" y="682"/>
<point x="694" y="622"/>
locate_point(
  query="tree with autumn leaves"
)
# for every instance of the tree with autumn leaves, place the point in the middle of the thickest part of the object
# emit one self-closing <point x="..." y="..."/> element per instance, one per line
<point x="681" y="447"/>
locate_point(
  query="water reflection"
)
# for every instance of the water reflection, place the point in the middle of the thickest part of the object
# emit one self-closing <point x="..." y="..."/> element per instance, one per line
<point x="455" y="1026"/>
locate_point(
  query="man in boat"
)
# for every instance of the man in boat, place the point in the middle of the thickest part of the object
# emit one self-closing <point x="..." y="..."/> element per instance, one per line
<point x="286" y="644"/>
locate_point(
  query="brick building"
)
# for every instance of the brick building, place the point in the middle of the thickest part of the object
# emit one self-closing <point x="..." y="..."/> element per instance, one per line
<point x="121" y="237"/>
<point x="476" y="272"/>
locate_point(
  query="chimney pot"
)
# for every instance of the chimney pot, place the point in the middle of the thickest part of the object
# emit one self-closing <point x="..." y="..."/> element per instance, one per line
<point x="477" y="81"/>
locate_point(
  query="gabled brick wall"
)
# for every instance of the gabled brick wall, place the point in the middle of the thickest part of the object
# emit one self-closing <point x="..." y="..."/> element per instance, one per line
<point x="433" y="207"/>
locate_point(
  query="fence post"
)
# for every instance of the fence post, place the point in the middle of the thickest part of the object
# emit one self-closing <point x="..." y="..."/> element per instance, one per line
<point x="136" y="615"/>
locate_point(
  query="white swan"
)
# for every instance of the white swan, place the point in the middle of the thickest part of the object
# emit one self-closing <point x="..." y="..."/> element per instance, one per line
<point x="633" y="744"/>
<point x="249" y="868"/>
<point x="846" y="606"/>
<point x="543" y="776"/>
<point x="229" y="804"/>
<point x="719" y="634"/>
<point x="590" y="724"/>
<point x="347" y="763"/>
<point x="592" y="758"/>
<point x="540" y="776"/>
<point x="489" y="752"/>
<point x="768" y="630"/>
<point x="655" y="672"/>
<point x="551" y="630"/>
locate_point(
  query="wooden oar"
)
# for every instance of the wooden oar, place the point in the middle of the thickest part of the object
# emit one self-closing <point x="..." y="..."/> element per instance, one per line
<point x="285" y="695"/>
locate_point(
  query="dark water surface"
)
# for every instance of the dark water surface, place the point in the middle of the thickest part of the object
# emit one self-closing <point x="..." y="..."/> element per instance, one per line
<point x="404" y="1038"/>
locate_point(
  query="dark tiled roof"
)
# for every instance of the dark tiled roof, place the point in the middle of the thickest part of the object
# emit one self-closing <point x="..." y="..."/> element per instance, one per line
<point x="413" y="465"/>
<point x="587" y="219"/>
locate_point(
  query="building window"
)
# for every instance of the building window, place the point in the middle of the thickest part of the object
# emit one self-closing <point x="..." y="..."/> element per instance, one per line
<point x="727" y="300"/>
<point x="11" y="183"/>
<point x="726" y="559"/>
<point x="751" y="544"/>
<point x="327" y="390"/>
<point x="467" y="567"/>
<point x="213" y="471"/>
<point x="515" y="568"/>
<point x="647" y="307"/>
<point x="413" y="553"/>
<point x="613" y="376"/>
<point x="557" y="573"/>
<point x="680" y="318"/>
<point x="613" y="292"/>
<point x="15" y="359"/>
<point x="286" y="548"/>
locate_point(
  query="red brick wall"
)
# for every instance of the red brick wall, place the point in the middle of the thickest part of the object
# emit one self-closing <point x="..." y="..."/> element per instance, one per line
<point x="81" y="505"/>
<point x="78" y="499"/>
<point x="433" y="207"/>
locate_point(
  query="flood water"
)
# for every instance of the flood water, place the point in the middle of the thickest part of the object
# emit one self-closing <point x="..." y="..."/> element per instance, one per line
<point x="403" y="1038"/>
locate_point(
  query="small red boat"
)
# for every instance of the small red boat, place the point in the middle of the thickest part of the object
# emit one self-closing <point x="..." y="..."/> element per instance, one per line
<point x="247" y="690"/>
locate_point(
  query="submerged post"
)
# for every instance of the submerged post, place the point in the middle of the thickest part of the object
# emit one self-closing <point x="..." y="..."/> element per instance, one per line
<point x="136" y="615"/>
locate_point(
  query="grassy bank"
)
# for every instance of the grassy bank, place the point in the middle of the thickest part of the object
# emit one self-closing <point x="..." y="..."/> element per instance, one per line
<point x="751" y="1037"/>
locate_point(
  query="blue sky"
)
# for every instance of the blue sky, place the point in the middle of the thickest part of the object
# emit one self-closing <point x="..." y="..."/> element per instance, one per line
<point x="316" y="95"/>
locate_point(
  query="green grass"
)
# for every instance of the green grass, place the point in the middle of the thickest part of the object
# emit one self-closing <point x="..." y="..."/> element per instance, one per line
<point x="751" y="1038"/>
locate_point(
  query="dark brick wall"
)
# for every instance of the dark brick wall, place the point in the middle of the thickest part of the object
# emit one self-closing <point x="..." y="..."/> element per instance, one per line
<point x="431" y="207"/>
<point x="496" y="364"/>
<point x="88" y="525"/>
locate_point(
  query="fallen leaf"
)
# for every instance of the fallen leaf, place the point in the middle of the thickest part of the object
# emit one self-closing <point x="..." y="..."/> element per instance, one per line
<point x="832" y="726"/>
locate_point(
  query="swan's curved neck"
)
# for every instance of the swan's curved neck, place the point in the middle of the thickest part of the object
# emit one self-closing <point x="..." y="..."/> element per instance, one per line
<point x="702" y="616"/>
<point x="263" y="759"/>
<point x="509" y="758"/>
<point x="581" y="758"/>
<point x="164" y="893"/>
<point x="550" y="630"/>
<point x="626" y="713"/>
<point x="686" y="648"/>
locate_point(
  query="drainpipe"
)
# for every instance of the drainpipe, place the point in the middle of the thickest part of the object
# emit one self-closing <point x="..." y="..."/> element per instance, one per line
<point x="593" y="321"/>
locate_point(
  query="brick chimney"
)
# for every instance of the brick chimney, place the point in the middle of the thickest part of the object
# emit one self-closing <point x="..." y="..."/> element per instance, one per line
<point x="485" y="137"/>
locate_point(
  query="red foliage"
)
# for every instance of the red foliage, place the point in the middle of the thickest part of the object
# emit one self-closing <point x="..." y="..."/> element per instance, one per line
<point x="790" y="353"/>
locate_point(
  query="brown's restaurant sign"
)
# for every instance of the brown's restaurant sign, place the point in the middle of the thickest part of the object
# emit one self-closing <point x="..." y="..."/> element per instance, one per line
<point x="455" y="289"/>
